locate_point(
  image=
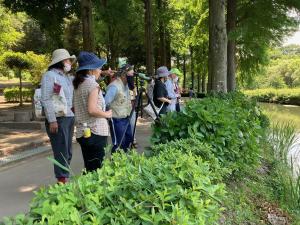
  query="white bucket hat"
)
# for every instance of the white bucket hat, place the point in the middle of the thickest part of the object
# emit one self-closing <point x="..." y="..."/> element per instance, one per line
<point x="59" y="55"/>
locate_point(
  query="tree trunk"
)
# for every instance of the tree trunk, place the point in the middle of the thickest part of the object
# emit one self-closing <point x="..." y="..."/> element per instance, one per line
<point x="231" y="47"/>
<point x="168" y="50"/>
<point x="87" y="25"/>
<point x="177" y="61"/>
<point x="203" y="81"/>
<point x="217" y="47"/>
<point x="192" y="66"/>
<point x="148" y="37"/>
<point x="162" y="56"/>
<point x="21" y="86"/>
<point x="198" y="80"/>
<point x="184" y="71"/>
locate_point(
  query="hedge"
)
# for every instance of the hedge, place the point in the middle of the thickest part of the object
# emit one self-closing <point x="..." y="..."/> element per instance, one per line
<point x="13" y="94"/>
<point x="281" y="96"/>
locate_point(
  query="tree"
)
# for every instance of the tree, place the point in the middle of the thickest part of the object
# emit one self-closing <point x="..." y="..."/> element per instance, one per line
<point x="34" y="38"/>
<point x="87" y="25"/>
<point x="73" y="35"/>
<point x="231" y="46"/>
<point x="49" y="14"/>
<point x="18" y="62"/>
<point x="10" y="29"/>
<point x="217" y="73"/>
<point x="148" y="37"/>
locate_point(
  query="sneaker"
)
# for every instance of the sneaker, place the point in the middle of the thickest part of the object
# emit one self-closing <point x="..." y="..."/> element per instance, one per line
<point x="61" y="180"/>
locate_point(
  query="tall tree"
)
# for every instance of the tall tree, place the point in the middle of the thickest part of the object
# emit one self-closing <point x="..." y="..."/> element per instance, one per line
<point x="231" y="46"/>
<point x="217" y="75"/>
<point x="148" y="37"/>
<point x="87" y="25"/>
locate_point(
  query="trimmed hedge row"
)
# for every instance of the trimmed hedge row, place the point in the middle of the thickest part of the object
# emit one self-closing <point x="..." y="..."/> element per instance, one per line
<point x="281" y="96"/>
<point x="13" y="94"/>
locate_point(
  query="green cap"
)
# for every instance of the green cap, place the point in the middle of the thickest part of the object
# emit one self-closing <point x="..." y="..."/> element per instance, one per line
<point x="175" y="71"/>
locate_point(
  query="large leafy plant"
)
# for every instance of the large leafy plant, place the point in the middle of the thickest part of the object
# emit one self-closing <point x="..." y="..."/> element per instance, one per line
<point x="170" y="188"/>
<point x="232" y="124"/>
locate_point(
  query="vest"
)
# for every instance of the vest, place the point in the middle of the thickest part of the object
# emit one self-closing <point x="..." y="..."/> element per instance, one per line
<point x="121" y="105"/>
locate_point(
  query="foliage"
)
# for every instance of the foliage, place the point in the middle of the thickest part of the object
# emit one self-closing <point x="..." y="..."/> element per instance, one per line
<point x="171" y="188"/>
<point x="282" y="70"/>
<point x="39" y="66"/>
<point x="16" y="60"/>
<point x="232" y="124"/>
<point x="196" y="147"/>
<point x="282" y="96"/>
<point x="13" y="94"/>
<point x="9" y="29"/>
<point x="285" y="179"/>
<point x="49" y="14"/>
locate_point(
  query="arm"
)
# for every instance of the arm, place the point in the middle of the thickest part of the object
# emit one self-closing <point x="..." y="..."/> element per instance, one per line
<point x="110" y="95"/>
<point x="93" y="110"/>
<point x="163" y="99"/>
<point x="170" y="89"/>
<point x="47" y="92"/>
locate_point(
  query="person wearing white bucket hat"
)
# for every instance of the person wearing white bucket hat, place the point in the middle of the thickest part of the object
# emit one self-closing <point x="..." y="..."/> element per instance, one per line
<point x="59" y="126"/>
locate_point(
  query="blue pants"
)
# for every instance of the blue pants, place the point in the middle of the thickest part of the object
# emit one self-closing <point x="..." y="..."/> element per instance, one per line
<point x="117" y="128"/>
<point x="61" y="143"/>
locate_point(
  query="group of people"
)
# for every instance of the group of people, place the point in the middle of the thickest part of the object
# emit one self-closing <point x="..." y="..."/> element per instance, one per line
<point x="88" y="108"/>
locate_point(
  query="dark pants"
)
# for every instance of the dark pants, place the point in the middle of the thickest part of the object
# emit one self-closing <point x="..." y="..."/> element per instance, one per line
<point x="118" y="128"/>
<point x="93" y="151"/>
<point x="177" y="107"/>
<point x="61" y="143"/>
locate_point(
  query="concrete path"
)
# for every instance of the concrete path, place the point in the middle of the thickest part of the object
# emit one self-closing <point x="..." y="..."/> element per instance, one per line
<point x="19" y="180"/>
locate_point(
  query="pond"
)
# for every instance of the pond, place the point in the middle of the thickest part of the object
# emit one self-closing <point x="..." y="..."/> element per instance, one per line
<point x="282" y="113"/>
<point x="286" y="113"/>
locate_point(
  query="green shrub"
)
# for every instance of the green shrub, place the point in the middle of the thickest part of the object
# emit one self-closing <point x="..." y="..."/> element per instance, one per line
<point x="282" y="96"/>
<point x="171" y="188"/>
<point x="196" y="147"/>
<point x="13" y="94"/>
<point x="232" y="124"/>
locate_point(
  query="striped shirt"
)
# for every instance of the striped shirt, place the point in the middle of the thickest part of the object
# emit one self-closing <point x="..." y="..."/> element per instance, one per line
<point x="65" y="81"/>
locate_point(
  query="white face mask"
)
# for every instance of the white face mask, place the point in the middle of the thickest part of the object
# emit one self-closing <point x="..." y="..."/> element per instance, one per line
<point x="176" y="79"/>
<point x="67" y="67"/>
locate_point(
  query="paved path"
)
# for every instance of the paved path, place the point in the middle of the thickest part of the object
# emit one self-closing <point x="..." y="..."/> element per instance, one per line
<point x="19" y="180"/>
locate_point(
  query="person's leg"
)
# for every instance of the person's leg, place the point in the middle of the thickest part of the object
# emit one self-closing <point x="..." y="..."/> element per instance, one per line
<point x="128" y="139"/>
<point x="93" y="151"/>
<point x="71" y="121"/>
<point x="119" y="128"/>
<point x="60" y="148"/>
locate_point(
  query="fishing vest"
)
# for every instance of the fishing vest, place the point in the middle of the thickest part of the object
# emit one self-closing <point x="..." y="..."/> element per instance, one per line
<point x="121" y="105"/>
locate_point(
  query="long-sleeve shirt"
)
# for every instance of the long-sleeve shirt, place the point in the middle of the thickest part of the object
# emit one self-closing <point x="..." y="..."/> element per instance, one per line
<point x="47" y="91"/>
<point x="170" y="89"/>
<point x="110" y="94"/>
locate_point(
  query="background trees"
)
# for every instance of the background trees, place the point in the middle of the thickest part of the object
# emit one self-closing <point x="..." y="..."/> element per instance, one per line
<point x="152" y="33"/>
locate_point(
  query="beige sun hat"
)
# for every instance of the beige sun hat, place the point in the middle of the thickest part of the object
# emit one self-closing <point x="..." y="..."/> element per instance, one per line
<point x="59" y="55"/>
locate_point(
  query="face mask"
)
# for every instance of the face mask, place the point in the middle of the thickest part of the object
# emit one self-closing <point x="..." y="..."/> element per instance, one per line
<point x="67" y="67"/>
<point x="176" y="79"/>
<point x="130" y="81"/>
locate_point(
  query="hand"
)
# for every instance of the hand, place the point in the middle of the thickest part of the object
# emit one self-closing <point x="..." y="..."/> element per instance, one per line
<point x="108" y="114"/>
<point x="169" y="101"/>
<point x="53" y="126"/>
